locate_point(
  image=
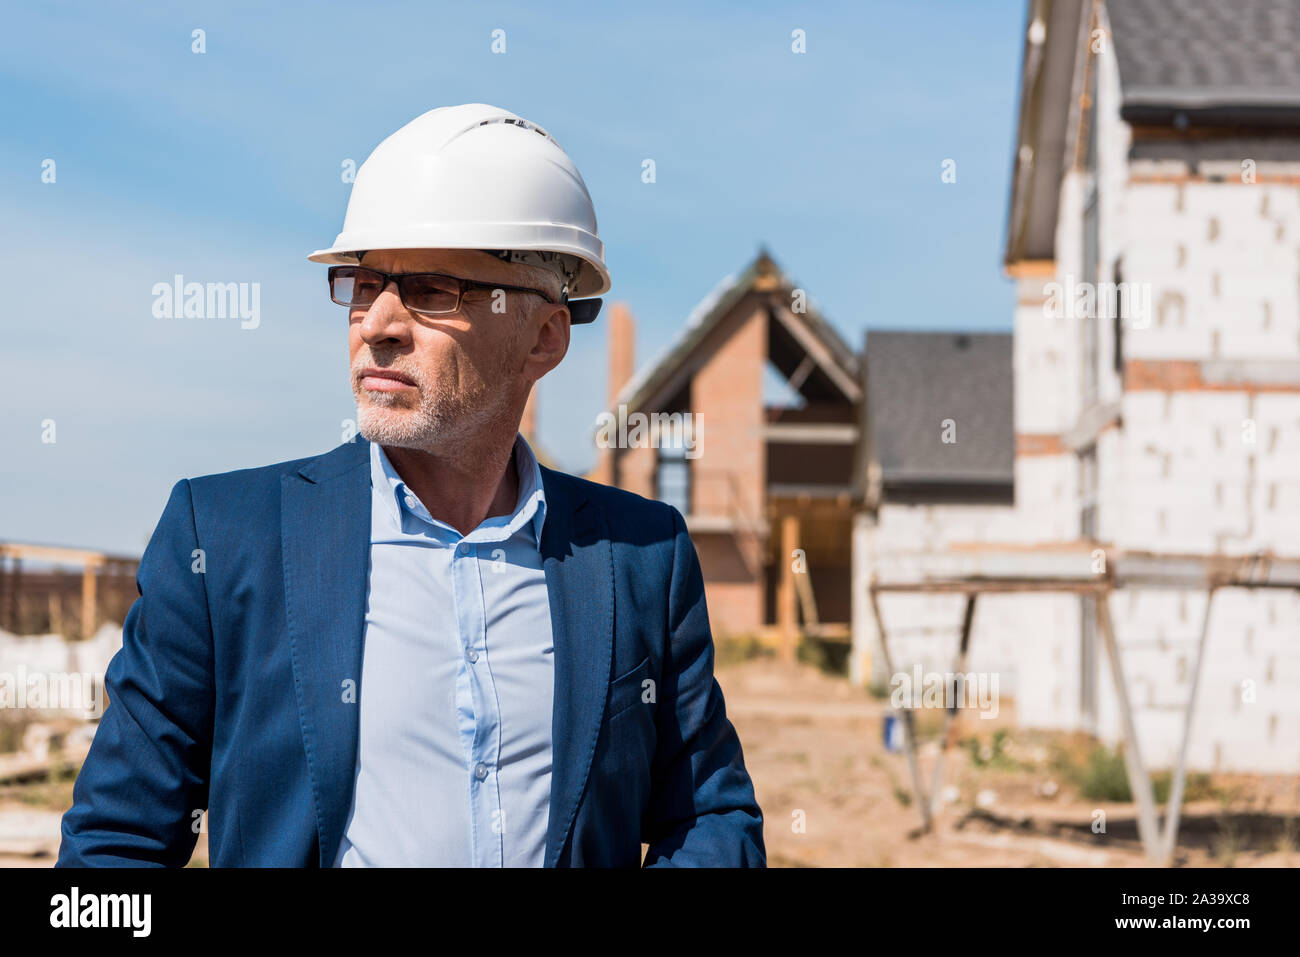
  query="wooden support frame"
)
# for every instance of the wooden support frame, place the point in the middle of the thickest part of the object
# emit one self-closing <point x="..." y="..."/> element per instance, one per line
<point x="972" y="574"/>
<point x="1175" y="809"/>
<point x="959" y="668"/>
<point x="909" y="727"/>
<point x="786" y="598"/>
<point x="1138" y="779"/>
<point x="92" y="565"/>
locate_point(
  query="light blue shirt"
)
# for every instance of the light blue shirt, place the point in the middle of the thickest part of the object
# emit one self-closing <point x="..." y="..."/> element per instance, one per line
<point x="457" y="685"/>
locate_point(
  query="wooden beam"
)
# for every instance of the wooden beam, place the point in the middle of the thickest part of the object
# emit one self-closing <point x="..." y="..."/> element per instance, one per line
<point x="977" y="586"/>
<point x="1175" y="807"/>
<point x="51" y="553"/>
<point x="1157" y="570"/>
<point x="818" y="350"/>
<point x="950" y="713"/>
<point x="966" y="572"/>
<point x="1138" y="779"/>
<point x="1074" y="567"/>
<point x="807" y="600"/>
<point x="801" y="372"/>
<point x="909" y="725"/>
<point x="786" y="598"/>
<point x="15" y="590"/>
<point x="820" y="433"/>
<point x="89" y="600"/>
<point x="1031" y="269"/>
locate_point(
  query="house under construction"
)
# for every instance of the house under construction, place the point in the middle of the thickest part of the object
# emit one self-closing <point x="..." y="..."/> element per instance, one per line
<point x="764" y="472"/>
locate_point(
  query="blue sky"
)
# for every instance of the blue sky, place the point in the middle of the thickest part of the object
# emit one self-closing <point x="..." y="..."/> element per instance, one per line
<point x="225" y="167"/>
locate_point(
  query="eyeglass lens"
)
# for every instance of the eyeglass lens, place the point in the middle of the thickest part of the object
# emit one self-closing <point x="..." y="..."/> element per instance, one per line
<point x="358" y="286"/>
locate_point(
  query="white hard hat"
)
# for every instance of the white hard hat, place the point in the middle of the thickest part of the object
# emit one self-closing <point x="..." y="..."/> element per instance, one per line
<point x="477" y="177"/>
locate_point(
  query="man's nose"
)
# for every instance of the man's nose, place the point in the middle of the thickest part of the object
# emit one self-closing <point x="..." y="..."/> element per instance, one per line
<point x="386" y="319"/>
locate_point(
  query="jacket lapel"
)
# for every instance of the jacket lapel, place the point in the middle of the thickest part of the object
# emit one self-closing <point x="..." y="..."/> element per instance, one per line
<point x="325" y="541"/>
<point x="578" y="563"/>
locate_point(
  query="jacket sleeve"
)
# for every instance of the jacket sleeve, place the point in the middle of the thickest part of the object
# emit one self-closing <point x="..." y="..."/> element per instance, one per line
<point x="146" y="776"/>
<point x="702" y="810"/>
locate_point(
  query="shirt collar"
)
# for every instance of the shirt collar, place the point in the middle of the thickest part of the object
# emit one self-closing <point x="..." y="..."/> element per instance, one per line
<point x="529" y="510"/>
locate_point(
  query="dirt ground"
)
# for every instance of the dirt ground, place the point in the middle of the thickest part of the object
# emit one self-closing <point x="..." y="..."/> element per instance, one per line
<point x="833" y="796"/>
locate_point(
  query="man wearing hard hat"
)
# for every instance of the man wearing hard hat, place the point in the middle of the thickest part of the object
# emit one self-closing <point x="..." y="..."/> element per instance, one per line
<point x="423" y="648"/>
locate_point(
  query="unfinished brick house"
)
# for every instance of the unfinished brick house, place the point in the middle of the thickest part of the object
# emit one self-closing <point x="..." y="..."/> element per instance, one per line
<point x="775" y="397"/>
<point x="1154" y="239"/>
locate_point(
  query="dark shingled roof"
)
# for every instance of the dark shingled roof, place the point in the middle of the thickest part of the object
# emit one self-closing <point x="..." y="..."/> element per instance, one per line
<point x="916" y="380"/>
<point x="1186" y="64"/>
<point x="1238" y="58"/>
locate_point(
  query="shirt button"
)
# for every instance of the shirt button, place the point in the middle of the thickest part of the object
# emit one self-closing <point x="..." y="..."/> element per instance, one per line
<point x="473" y="655"/>
<point x="463" y="549"/>
<point x="480" y="772"/>
<point x="410" y="501"/>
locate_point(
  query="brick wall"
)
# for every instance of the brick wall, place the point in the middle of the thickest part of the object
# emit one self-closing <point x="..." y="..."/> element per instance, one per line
<point x="728" y="392"/>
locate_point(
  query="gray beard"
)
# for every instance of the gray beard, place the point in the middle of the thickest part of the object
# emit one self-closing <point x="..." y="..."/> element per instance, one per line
<point x="438" y="422"/>
<point x="444" y="418"/>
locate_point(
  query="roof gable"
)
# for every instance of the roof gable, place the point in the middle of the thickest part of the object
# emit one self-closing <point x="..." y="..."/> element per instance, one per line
<point x="764" y="277"/>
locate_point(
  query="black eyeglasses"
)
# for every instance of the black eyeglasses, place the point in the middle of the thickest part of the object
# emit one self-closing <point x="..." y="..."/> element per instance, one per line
<point x="426" y="293"/>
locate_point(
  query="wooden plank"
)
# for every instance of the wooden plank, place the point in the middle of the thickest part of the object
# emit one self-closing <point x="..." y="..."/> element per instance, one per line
<point x="1031" y="269"/>
<point x="786" y="598"/>
<point x="973" y="586"/>
<point x="814" y="347"/>
<point x="1066" y="564"/>
<point x="950" y="713"/>
<point x="1154" y="570"/>
<point x="89" y="600"/>
<point x="51" y="553"/>
<point x="807" y="600"/>
<point x="909" y="725"/>
<point x="817" y="433"/>
<point x="1059" y="566"/>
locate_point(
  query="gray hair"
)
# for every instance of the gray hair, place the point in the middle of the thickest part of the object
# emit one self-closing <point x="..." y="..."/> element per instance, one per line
<point x="562" y="264"/>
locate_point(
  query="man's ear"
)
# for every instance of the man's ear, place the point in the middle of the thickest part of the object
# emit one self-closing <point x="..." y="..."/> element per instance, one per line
<point x="551" y="343"/>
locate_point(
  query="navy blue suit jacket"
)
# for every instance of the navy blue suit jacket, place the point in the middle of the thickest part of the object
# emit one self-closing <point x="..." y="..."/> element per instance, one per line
<point x="229" y="693"/>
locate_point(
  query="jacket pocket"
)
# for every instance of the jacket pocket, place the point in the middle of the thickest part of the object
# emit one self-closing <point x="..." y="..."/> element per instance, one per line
<point x="626" y="690"/>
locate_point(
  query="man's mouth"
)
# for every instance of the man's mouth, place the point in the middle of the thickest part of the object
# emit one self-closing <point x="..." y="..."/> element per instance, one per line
<point x="385" y="380"/>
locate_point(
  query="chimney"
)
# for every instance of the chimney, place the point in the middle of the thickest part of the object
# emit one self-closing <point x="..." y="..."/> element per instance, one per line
<point x="622" y="351"/>
<point x="622" y="358"/>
